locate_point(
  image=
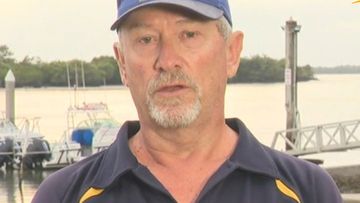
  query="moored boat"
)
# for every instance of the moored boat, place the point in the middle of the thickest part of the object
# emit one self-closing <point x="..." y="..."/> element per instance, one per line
<point x="22" y="144"/>
<point x="90" y="129"/>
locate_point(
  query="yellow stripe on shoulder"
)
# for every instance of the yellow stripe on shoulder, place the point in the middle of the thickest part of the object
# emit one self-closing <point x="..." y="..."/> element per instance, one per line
<point x="91" y="192"/>
<point x="286" y="190"/>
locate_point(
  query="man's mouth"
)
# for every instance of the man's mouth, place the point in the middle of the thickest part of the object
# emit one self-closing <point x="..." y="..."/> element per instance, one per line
<point x="171" y="90"/>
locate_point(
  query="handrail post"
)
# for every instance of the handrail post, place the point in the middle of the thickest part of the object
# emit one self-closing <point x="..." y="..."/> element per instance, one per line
<point x="342" y="134"/>
<point x="319" y="139"/>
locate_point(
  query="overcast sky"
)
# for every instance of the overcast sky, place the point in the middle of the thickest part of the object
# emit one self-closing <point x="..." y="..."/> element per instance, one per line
<point x="69" y="29"/>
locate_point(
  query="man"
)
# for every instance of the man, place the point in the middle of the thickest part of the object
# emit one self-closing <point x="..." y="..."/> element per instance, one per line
<point x="176" y="56"/>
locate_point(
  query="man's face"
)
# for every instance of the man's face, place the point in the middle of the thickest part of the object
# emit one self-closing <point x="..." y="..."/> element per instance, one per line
<point x="174" y="64"/>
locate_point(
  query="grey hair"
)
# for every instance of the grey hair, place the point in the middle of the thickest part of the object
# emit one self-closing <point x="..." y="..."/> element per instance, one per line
<point x="224" y="27"/>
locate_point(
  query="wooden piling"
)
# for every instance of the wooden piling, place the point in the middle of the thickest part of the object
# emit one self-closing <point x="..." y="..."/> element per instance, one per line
<point x="291" y="30"/>
<point x="10" y="96"/>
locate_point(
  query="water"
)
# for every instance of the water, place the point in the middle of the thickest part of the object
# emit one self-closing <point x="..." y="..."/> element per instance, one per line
<point x="11" y="189"/>
<point x="332" y="98"/>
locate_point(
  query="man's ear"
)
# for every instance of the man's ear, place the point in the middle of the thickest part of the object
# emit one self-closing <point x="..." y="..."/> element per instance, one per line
<point x="234" y="48"/>
<point x="121" y="62"/>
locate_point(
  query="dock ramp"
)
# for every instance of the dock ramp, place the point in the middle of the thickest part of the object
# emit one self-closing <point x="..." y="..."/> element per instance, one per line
<point x="329" y="137"/>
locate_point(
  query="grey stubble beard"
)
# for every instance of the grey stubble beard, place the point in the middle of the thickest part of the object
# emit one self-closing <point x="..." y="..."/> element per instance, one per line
<point x="173" y="113"/>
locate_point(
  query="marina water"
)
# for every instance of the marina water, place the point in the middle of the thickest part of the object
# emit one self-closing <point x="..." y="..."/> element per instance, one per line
<point x="331" y="98"/>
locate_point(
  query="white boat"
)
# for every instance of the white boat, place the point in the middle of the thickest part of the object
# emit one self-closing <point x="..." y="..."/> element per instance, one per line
<point x="22" y="144"/>
<point x="90" y="129"/>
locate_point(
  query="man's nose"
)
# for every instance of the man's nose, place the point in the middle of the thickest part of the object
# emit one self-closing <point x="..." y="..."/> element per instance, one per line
<point x="169" y="56"/>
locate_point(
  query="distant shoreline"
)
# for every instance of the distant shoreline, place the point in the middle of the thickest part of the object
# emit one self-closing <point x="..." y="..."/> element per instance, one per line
<point x="346" y="69"/>
<point x="335" y="73"/>
<point x="120" y="86"/>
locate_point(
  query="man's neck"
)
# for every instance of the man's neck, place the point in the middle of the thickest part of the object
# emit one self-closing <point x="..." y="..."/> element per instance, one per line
<point x="183" y="160"/>
<point x="169" y="147"/>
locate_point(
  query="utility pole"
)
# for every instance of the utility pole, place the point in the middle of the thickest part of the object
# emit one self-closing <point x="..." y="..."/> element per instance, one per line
<point x="291" y="30"/>
<point x="10" y="96"/>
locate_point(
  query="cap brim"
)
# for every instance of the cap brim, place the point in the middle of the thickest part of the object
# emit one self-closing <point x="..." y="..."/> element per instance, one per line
<point x="195" y="6"/>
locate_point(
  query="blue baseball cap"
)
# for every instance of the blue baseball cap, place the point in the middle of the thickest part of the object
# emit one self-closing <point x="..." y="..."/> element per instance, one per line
<point x="212" y="9"/>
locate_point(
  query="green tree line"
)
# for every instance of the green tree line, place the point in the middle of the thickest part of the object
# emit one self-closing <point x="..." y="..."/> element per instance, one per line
<point x="33" y="72"/>
<point x="103" y="70"/>
<point x="263" y="69"/>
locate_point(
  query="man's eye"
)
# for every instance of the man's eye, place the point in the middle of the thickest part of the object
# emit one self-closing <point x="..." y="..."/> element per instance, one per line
<point x="190" y="34"/>
<point x="146" y="40"/>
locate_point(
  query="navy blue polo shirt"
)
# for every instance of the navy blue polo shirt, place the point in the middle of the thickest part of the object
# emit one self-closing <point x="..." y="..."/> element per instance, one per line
<point x="253" y="174"/>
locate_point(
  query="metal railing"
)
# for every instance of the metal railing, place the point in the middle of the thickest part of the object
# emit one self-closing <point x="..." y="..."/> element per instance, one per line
<point x="320" y="138"/>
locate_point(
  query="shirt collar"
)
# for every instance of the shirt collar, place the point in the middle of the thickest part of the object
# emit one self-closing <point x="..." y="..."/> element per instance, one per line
<point x="118" y="158"/>
<point x="249" y="155"/>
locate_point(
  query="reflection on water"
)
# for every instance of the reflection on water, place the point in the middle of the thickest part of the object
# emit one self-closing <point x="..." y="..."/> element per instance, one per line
<point x="11" y="188"/>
